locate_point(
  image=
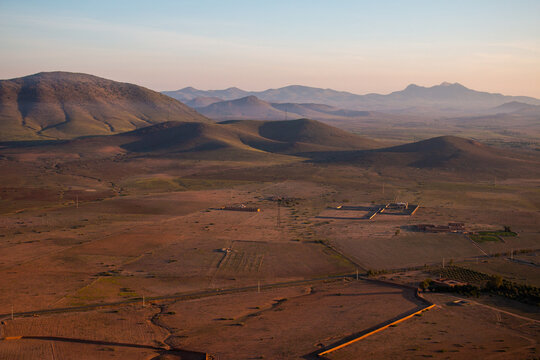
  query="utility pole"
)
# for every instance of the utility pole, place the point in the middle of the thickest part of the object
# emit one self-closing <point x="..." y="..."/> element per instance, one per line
<point x="278" y="214"/>
<point x="143" y="300"/>
<point x="356" y="273"/>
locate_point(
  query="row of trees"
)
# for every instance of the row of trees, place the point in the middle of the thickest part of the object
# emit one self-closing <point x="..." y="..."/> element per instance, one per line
<point x="496" y="285"/>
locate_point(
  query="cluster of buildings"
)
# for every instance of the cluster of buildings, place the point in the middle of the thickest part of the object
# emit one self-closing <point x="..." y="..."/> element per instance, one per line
<point x="241" y="207"/>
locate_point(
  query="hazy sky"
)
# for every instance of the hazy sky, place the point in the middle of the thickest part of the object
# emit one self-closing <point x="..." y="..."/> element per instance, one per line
<point x="358" y="46"/>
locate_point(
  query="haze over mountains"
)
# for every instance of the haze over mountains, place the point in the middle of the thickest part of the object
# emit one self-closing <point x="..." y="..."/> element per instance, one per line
<point x="444" y="98"/>
<point x="60" y="105"/>
<point x="251" y="107"/>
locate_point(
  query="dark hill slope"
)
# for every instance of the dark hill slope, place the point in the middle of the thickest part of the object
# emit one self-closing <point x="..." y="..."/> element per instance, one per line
<point x="232" y="140"/>
<point x="447" y="153"/>
<point x="306" y="131"/>
<point x="173" y="137"/>
<point x="284" y="137"/>
<point x="61" y="105"/>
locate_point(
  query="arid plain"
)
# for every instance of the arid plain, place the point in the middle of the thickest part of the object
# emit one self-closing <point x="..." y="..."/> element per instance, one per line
<point x="121" y="246"/>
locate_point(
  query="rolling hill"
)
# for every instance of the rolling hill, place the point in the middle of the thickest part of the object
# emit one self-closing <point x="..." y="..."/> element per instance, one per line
<point x="282" y="137"/>
<point x="517" y="107"/>
<point x="231" y="140"/>
<point x="306" y="133"/>
<point x="446" y="153"/>
<point x="62" y="105"/>
<point x="291" y="140"/>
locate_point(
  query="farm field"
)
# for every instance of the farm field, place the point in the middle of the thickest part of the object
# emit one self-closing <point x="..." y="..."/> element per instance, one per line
<point x="283" y="323"/>
<point x="520" y="272"/>
<point x="452" y="331"/>
<point x="128" y="325"/>
<point x="154" y="228"/>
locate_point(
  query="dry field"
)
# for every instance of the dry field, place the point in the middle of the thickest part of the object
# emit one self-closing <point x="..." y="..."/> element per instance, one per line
<point x="123" y="333"/>
<point x="86" y="231"/>
<point x="452" y="331"/>
<point x="283" y="323"/>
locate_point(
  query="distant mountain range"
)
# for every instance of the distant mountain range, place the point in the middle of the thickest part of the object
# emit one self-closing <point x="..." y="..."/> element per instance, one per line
<point x="251" y="107"/>
<point x="444" y="98"/>
<point x="62" y="105"/>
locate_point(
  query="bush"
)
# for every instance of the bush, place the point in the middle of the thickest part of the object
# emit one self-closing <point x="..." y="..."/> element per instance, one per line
<point x="424" y="285"/>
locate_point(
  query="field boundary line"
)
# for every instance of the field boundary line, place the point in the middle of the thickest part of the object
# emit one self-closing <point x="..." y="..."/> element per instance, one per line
<point x="475" y="244"/>
<point x="381" y="328"/>
<point x="8" y="338"/>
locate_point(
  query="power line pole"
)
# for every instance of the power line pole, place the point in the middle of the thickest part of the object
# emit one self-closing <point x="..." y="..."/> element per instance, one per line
<point x="279" y="214"/>
<point x="356" y="273"/>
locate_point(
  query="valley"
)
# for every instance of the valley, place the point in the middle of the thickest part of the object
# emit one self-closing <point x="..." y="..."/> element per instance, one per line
<point x="139" y="244"/>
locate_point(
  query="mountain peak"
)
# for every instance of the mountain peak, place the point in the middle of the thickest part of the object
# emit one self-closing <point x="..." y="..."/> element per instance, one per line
<point x="449" y="84"/>
<point x="250" y="99"/>
<point x="65" y="105"/>
<point x="412" y="86"/>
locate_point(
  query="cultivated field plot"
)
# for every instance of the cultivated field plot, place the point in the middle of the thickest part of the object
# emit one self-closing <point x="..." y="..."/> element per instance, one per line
<point x="516" y="271"/>
<point x="243" y="256"/>
<point x="524" y="240"/>
<point x="451" y="331"/>
<point x="410" y="249"/>
<point x="283" y="323"/>
<point x="122" y="333"/>
<point x="359" y="213"/>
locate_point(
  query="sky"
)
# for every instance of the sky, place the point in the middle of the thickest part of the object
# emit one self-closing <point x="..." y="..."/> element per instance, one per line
<point x="357" y="46"/>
